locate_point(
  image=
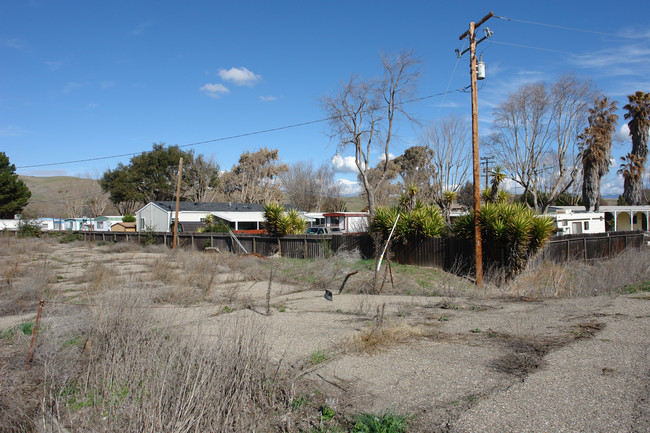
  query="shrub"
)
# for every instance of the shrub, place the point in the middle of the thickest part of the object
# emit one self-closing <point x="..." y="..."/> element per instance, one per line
<point x="513" y="229"/>
<point x="214" y="224"/>
<point x="128" y="218"/>
<point x="29" y="229"/>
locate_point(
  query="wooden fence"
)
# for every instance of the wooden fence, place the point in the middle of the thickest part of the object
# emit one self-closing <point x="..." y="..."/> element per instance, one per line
<point x="446" y="253"/>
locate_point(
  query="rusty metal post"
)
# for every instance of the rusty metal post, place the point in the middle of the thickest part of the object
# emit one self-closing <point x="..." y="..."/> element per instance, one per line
<point x="31" y="346"/>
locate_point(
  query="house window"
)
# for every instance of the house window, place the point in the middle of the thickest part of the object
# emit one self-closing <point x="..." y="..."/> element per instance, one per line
<point x="142" y="224"/>
<point x="586" y="225"/>
<point x="565" y="223"/>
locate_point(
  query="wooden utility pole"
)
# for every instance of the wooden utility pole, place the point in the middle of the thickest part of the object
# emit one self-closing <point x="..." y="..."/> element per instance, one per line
<point x="487" y="160"/>
<point x="478" y="248"/>
<point x="178" y="197"/>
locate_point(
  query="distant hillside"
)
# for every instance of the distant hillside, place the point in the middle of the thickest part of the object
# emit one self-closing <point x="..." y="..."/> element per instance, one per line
<point x="49" y="194"/>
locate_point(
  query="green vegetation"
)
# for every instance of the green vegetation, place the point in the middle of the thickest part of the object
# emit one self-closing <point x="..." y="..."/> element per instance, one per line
<point x="421" y="222"/>
<point x="387" y="422"/>
<point x="511" y="228"/>
<point x="14" y="194"/>
<point x="318" y="357"/>
<point x="128" y="218"/>
<point x="214" y="224"/>
<point x="278" y="222"/>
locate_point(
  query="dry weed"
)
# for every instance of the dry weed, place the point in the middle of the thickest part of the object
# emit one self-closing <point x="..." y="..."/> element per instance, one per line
<point x="100" y="277"/>
<point x="138" y="375"/>
<point x="382" y="334"/>
<point x="584" y="279"/>
<point x="378" y="338"/>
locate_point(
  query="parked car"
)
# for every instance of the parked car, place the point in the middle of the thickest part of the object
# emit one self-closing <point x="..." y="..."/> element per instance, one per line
<point x="318" y="231"/>
<point x="323" y="231"/>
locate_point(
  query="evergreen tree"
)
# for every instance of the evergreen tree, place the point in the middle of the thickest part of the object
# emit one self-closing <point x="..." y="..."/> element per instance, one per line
<point x="14" y="194"/>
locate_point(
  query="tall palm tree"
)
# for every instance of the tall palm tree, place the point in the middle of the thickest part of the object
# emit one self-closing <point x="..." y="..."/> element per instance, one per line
<point x="596" y="149"/>
<point x="631" y="169"/>
<point x="638" y="111"/>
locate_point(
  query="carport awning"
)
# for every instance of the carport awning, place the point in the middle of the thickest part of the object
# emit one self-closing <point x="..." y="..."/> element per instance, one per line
<point x="240" y="216"/>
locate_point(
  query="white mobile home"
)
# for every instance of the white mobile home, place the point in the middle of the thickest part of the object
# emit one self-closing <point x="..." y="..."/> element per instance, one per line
<point x="347" y="222"/>
<point x="571" y="223"/>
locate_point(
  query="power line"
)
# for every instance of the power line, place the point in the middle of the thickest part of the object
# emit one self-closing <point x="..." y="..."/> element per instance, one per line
<point x="533" y="48"/>
<point x="231" y="137"/>
<point x="575" y="29"/>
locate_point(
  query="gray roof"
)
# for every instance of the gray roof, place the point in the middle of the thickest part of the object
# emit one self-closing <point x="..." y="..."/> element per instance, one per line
<point x="187" y="206"/>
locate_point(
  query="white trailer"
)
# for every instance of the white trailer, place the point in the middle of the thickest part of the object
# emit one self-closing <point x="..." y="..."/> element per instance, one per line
<point x="571" y="223"/>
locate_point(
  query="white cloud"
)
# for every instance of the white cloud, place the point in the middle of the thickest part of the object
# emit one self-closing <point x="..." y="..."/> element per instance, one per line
<point x="239" y="76"/>
<point x="349" y="187"/>
<point x="611" y="186"/>
<point x="344" y="164"/>
<point x="268" y="98"/>
<point x="15" y="43"/>
<point x="383" y="156"/>
<point x="141" y="27"/>
<point x="69" y="87"/>
<point x="623" y="134"/>
<point x="214" y="90"/>
<point x="14" y="131"/>
<point x="624" y="60"/>
<point x="53" y="65"/>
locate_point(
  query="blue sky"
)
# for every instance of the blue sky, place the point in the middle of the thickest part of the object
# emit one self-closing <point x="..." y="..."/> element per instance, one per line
<point x="84" y="79"/>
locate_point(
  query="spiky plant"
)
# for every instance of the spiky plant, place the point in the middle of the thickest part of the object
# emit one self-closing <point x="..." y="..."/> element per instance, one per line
<point x="508" y="227"/>
<point x="419" y="223"/>
<point x="277" y="222"/>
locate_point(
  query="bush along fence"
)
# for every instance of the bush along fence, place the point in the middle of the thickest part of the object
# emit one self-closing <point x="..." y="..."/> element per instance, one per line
<point x="451" y="254"/>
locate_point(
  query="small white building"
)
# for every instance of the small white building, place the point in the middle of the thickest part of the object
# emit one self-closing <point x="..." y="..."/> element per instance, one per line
<point x="159" y="215"/>
<point x="571" y="223"/>
<point x="347" y="222"/>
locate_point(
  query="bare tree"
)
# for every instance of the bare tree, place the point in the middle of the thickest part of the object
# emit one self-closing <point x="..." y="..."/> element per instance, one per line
<point x="535" y="138"/>
<point x="363" y="113"/>
<point x="450" y="151"/>
<point x="307" y="188"/>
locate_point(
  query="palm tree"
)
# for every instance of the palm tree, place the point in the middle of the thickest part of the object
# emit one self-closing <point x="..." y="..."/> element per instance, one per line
<point x="638" y="111"/>
<point x="632" y="171"/>
<point x="596" y="149"/>
<point x="498" y="176"/>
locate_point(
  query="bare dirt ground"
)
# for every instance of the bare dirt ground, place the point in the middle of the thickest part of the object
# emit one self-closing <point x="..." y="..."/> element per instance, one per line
<point x="456" y="363"/>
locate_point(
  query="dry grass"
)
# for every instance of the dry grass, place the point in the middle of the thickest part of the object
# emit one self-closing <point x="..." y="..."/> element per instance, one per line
<point x="576" y="279"/>
<point x="120" y="369"/>
<point x="381" y="335"/>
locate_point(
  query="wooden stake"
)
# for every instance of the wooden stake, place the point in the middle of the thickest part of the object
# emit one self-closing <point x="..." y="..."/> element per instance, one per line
<point x="31" y="346"/>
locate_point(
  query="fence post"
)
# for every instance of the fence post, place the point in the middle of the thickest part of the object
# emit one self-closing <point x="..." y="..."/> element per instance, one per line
<point x="584" y="248"/>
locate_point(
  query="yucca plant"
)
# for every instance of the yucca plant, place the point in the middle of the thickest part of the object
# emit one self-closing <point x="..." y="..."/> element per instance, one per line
<point x="277" y="222"/>
<point x="421" y="222"/>
<point x="508" y="227"/>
